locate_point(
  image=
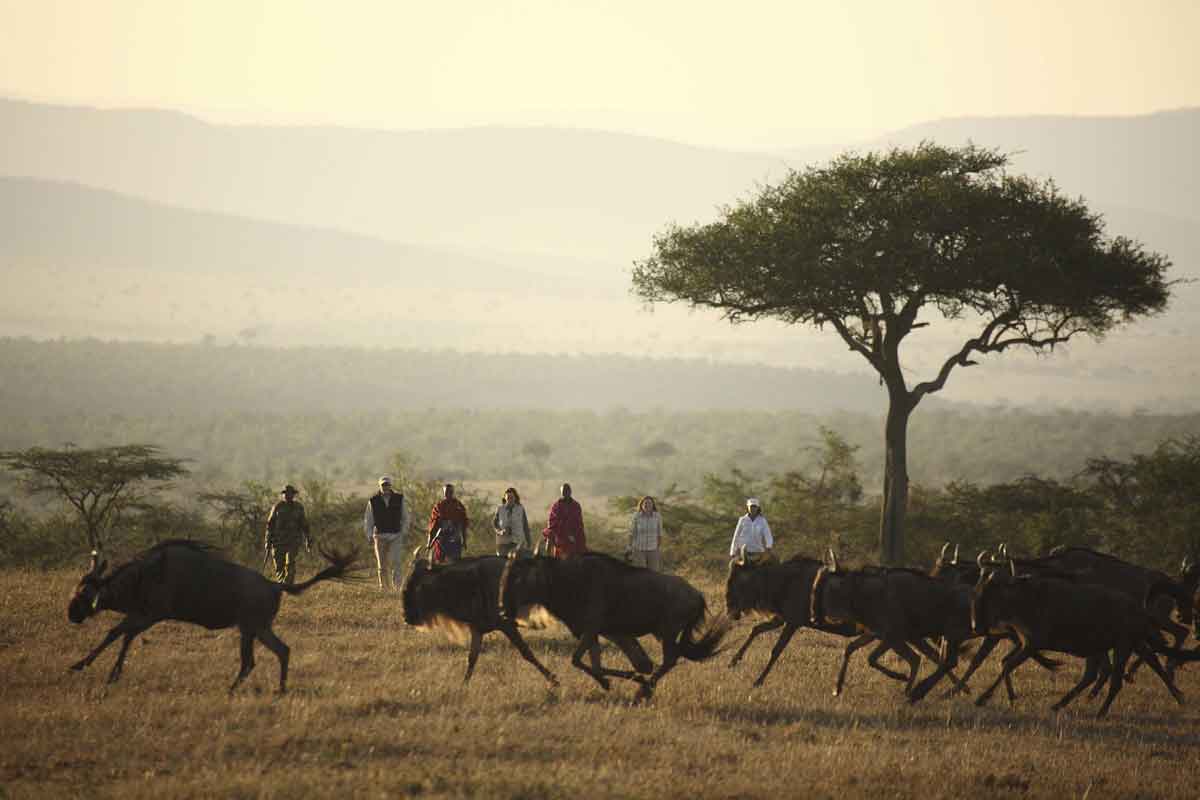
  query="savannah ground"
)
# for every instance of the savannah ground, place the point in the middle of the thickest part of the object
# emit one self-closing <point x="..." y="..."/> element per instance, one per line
<point x="378" y="709"/>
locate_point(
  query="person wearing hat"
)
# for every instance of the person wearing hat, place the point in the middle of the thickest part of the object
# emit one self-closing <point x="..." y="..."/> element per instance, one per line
<point x="752" y="532"/>
<point x="385" y="523"/>
<point x="287" y="527"/>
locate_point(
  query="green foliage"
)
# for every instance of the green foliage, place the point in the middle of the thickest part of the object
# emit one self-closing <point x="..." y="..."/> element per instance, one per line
<point x="101" y="484"/>
<point x="873" y="245"/>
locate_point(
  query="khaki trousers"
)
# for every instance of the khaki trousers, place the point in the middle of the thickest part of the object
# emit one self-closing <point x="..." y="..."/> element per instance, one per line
<point x="651" y="559"/>
<point x="284" y="558"/>
<point x="389" y="559"/>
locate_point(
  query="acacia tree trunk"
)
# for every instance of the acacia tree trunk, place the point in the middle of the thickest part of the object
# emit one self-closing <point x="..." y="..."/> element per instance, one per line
<point x="895" y="479"/>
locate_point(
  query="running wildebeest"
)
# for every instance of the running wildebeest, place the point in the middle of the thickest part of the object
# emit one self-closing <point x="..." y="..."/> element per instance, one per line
<point x="900" y="606"/>
<point x="966" y="574"/>
<point x="1082" y="619"/>
<point x="784" y="590"/>
<point x="463" y="594"/>
<point x="597" y="595"/>
<point x="190" y="581"/>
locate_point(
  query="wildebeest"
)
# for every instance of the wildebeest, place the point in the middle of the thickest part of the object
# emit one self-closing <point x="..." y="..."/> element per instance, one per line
<point x="190" y="581"/>
<point x="901" y="607"/>
<point x="966" y="574"/>
<point x="597" y="595"/>
<point x="1136" y="582"/>
<point x="463" y="594"/>
<point x="784" y="591"/>
<point x="1082" y="619"/>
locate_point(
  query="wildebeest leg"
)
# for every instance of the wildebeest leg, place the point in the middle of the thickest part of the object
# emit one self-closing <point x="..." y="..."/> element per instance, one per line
<point x="873" y="660"/>
<point x="247" y="659"/>
<point x="514" y="636"/>
<point x="113" y="634"/>
<point x="670" y="658"/>
<point x="913" y="660"/>
<point x="1150" y="658"/>
<point x="944" y="667"/>
<point x="1120" y="658"/>
<point x="854" y="645"/>
<point x="473" y="652"/>
<point x="789" y="630"/>
<point x="757" y="630"/>
<point x="633" y="650"/>
<point x="586" y="643"/>
<point x="1014" y="659"/>
<point x="1091" y="669"/>
<point x="130" y="633"/>
<point x="281" y="651"/>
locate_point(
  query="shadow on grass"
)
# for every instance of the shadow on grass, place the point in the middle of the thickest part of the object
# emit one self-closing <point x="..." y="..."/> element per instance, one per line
<point x="1140" y="728"/>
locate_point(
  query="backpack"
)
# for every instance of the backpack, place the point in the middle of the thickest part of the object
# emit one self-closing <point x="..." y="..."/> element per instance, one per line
<point x="448" y="541"/>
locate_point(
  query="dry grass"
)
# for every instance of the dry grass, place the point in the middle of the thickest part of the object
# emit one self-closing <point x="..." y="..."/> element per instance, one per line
<point x="378" y="709"/>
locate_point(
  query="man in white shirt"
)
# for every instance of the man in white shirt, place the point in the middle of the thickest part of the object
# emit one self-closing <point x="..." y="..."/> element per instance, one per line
<point x="385" y="522"/>
<point x="752" y="532"/>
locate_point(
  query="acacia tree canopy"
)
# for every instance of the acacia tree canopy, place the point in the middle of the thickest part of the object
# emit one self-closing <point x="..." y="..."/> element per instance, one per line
<point x="99" y="483"/>
<point x="879" y="245"/>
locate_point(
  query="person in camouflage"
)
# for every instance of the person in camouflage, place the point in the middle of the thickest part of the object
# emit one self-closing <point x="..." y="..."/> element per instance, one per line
<point x="287" y="527"/>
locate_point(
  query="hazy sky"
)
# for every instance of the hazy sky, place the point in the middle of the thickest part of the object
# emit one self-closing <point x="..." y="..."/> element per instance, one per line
<point x="732" y="73"/>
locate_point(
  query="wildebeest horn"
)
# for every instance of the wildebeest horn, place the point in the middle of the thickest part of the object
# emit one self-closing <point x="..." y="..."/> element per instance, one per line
<point x="955" y="559"/>
<point x="833" y="565"/>
<point x="96" y="560"/>
<point x="1004" y="549"/>
<point x="942" y="555"/>
<point x="1012" y="567"/>
<point x="979" y="559"/>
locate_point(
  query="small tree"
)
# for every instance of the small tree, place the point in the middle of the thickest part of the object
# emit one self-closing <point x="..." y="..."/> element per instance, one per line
<point x="874" y="245"/>
<point x="242" y="512"/>
<point x="100" y="484"/>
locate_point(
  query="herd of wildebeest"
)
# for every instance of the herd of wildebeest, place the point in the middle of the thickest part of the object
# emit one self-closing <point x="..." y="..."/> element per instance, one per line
<point x="1074" y="601"/>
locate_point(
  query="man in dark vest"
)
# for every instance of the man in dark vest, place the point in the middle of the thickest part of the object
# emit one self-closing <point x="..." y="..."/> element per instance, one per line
<point x="385" y="523"/>
<point x="287" y="528"/>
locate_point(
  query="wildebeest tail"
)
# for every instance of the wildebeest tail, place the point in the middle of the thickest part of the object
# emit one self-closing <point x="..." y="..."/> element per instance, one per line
<point x="707" y="646"/>
<point x="1176" y="653"/>
<point x="342" y="567"/>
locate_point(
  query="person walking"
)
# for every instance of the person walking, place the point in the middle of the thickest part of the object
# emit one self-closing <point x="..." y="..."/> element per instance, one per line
<point x="448" y="525"/>
<point x="564" y="530"/>
<point x="645" y="536"/>
<point x="385" y="522"/>
<point x="287" y="527"/>
<point x="753" y="533"/>
<point x="511" y="525"/>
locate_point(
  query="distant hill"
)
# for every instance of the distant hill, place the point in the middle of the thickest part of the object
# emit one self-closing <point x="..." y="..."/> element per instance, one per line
<point x="153" y="225"/>
<point x="1146" y="162"/>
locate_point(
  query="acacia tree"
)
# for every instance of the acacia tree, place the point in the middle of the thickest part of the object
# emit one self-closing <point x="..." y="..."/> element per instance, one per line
<point x="875" y="245"/>
<point x="99" y="483"/>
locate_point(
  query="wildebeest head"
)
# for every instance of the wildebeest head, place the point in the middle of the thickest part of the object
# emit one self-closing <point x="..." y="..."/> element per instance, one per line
<point x="524" y="582"/>
<point x="410" y="595"/>
<point x="744" y="588"/>
<point x="86" y="599"/>
<point x="996" y="591"/>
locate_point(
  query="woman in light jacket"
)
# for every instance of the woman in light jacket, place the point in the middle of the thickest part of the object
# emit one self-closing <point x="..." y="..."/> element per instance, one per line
<point x="645" y="536"/>
<point x="511" y="525"/>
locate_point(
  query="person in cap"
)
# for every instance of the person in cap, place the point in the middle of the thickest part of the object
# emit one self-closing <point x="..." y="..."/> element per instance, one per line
<point x="564" y="530"/>
<point x="287" y="528"/>
<point x="752" y="532"/>
<point x="385" y="522"/>
<point x="448" y="526"/>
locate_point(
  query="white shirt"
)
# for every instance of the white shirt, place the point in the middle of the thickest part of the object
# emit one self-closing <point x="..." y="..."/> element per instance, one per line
<point x="369" y="518"/>
<point x="754" y="533"/>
